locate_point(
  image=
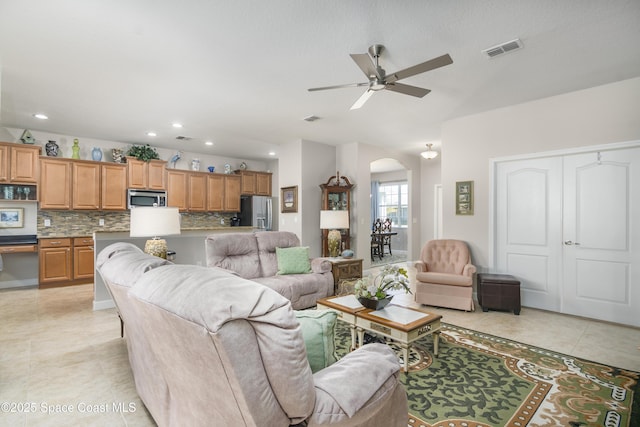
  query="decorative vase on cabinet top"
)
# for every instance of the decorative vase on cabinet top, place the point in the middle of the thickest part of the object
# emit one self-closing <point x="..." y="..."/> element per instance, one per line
<point x="75" y="149"/>
<point x="96" y="154"/>
<point x="51" y="148"/>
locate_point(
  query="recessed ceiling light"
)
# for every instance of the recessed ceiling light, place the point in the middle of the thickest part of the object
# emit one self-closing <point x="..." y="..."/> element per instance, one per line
<point x="177" y="125"/>
<point x="208" y="143"/>
<point x="40" y="116"/>
<point x="272" y="153"/>
<point x="151" y="133"/>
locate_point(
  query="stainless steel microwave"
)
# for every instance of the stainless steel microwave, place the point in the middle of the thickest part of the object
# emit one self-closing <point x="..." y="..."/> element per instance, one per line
<point x="138" y="198"/>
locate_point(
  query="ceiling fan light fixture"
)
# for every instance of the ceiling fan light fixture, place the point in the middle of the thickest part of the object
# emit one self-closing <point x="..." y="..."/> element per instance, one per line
<point x="429" y="154"/>
<point x="377" y="85"/>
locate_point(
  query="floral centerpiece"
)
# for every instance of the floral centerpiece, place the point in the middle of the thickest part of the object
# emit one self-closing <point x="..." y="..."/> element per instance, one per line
<point x="373" y="292"/>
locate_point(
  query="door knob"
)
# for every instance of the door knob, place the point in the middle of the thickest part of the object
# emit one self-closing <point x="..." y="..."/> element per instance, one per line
<point x="569" y="243"/>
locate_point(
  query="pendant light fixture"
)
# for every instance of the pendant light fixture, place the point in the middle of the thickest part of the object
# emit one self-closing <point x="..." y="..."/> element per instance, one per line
<point x="429" y="154"/>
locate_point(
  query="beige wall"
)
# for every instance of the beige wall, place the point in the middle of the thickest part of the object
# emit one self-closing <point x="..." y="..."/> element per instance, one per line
<point x="306" y="164"/>
<point x="600" y="115"/>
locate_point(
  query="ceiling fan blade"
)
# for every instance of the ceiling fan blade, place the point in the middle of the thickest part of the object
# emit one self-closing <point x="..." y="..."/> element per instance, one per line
<point x="407" y="89"/>
<point x="363" y="60"/>
<point x="429" y="65"/>
<point x="338" y="86"/>
<point x="360" y="102"/>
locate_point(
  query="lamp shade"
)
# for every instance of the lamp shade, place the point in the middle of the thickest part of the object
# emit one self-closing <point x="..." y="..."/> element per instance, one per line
<point x="332" y="220"/>
<point x="154" y="221"/>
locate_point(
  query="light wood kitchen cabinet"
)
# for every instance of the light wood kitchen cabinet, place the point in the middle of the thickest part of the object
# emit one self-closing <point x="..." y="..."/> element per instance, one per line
<point x="19" y="163"/>
<point x="146" y="175"/>
<point x="223" y="193"/>
<point x="66" y="261"/>
<point x="177" y="189"/>
<point x="156" y="174"/>
<point x="83" y="258"/>
<point x="55" y="184"/>
<point x="4" y="163"/>
<point x="113" y="187"/>
<point x="197" y="192"/>
<point x="248" y="182"/>
<point x="55" y="261"/>
<point x="263" y="184"/>
<point x="85" y="185"/>
<point x="255" y="183"/>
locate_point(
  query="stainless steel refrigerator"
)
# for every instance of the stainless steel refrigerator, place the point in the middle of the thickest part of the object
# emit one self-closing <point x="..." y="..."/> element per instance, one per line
<point x="256" y="212"/>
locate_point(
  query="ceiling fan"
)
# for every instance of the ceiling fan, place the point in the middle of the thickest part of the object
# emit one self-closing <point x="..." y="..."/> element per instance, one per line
<point x="379" y="80"/>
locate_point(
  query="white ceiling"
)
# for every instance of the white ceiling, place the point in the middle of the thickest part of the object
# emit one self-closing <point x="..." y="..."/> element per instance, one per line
<point x="237" y="72"/>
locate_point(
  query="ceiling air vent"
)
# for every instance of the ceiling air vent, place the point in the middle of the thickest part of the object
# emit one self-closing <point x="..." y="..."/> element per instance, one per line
<point x="503" y="48"/>
<point x="311" y="118"/>
<point x="183" y="138"/>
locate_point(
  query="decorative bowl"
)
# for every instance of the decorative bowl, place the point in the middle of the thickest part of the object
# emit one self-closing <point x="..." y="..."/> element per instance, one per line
<point x="348" y="253"/>
<point x="374" y="304"/>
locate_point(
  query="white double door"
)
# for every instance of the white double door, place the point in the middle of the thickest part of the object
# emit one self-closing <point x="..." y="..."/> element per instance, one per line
<point x="569" y="228"/>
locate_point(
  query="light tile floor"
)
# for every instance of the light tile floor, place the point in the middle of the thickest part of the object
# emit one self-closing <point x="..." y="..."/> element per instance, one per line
<point x="62" y="364"/>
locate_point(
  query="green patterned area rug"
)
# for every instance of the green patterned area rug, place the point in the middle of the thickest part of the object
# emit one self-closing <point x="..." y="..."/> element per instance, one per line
<point x="480" y="380"/>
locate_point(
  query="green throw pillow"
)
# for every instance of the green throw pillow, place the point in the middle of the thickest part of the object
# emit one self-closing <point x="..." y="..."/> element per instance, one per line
<point x="293" y="260"/>
<point x="318" y="330"/>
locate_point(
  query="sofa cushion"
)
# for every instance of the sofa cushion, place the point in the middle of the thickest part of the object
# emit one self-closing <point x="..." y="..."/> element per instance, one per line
<point x="444" y="279"/>
<point x="301" y="289"/>
<point x="211" y="298"/>
<point x="234" y="251"/>
<point x="318" y="331"/>
<point x="125" y="267"/>
<point x="293" y="260"/>
<point x="267" y="242"/>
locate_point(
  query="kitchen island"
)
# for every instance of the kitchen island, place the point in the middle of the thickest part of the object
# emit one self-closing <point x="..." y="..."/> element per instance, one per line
<point x="188" y="245"/>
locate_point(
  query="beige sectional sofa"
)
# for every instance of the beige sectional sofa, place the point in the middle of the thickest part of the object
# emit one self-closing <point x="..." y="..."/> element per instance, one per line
<point x="253" y="256"/>
<point x="210" y="348"/>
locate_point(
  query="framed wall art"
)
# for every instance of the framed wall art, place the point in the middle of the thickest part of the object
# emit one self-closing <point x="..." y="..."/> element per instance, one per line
<point x="11" y="217"/>
<point x="289" y="199"/>
<point x="464" y="198"/>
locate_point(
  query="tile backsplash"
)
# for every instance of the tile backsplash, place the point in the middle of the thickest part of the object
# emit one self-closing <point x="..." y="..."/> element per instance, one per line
<point x="81" y="223"/>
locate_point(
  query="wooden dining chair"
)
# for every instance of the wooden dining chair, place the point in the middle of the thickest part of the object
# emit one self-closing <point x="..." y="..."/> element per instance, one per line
<point x="376" y="239"/>
<point x="386" y="240"/>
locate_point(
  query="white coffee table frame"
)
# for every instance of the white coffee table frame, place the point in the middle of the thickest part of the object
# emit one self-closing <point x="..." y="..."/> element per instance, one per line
<point x="400" y="324"/>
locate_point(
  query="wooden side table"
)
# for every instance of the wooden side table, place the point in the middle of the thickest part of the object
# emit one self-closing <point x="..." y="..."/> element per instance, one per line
<point x="343" y="269"/>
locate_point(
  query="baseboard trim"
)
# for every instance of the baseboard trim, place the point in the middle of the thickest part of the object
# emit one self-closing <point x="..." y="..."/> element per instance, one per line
<point x="103" y="305"/>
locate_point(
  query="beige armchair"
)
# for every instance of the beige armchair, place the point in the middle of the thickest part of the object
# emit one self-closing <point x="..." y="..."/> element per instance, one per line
<point x="444" y="275"/>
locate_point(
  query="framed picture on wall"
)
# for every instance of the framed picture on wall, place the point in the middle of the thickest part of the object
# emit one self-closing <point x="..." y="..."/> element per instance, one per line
<point x="289" y="199"/>
<point x="11" y="217"/>
<point x="464" y="198"/>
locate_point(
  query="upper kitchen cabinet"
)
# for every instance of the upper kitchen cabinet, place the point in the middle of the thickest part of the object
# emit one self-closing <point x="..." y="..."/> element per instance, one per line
<point x="19" y="163"/>
<point x="177" y="189"/>
<point x="55" y="183"/>
<point x="67" y="184"/>
<point x="146" y="175"/>
<point x="255" y="183"/>
<point x="197" y="192"/>
<point x="223" y="193"/>
<point x="113" y="195"/>
<point x="85" y="185"/>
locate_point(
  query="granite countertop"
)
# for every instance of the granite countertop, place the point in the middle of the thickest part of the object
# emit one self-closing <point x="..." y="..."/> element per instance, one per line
<point x="72" y="234"/>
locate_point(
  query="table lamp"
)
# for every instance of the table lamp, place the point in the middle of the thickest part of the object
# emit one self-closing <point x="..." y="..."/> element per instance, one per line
<point x="154" y="222"/>
<point x="334" y="221"/>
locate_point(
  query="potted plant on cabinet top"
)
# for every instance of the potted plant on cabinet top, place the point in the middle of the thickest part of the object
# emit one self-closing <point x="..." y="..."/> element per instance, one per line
<point x="373" y="292"/>
<point x="143" y="152"/>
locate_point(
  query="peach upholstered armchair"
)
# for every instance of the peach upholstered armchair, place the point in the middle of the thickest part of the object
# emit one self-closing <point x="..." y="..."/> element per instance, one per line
<point x="444" y="275"/>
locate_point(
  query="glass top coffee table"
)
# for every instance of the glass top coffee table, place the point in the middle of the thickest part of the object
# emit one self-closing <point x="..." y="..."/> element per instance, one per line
<point x="400" y="324"/>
